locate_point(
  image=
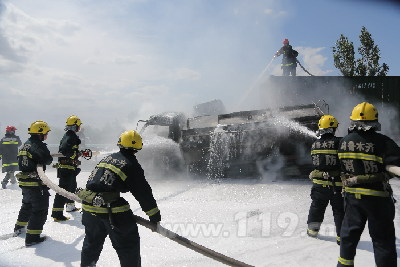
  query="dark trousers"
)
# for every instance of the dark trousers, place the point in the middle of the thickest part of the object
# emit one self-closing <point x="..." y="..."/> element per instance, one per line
<point x="67" y="180"/>
<point x="287" y="70"/>
<point x="379" y="211"/>
<point x="9" y="177"/>
<point x="321" y="197"/>
<point x="124" y="238"/>
<point x="34" y="209"/>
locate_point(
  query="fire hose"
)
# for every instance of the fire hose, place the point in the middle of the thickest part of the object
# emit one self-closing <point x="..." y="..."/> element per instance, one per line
<point x="154" y="227"/>
<point x="393" y="169"/>
<point x="303" y="67"/>
<point x="86" y="154"/>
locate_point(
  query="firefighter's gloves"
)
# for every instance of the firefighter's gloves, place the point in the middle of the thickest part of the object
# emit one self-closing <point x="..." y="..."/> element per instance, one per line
<point x="88" y="196"/>
<point x="155" y="218"/>
<point x="314" y="174"/>
<point x="98" y="201"/>
<point x="154" y="227"/>
<point x="350" y="181"/>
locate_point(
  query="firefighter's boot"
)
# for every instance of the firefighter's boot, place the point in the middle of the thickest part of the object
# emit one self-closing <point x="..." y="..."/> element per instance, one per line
<point x="31" y="240"/>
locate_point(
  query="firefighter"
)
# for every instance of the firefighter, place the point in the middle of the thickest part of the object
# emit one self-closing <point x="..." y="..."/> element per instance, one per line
<point x="35" y="195"/>
<point x="289" y="61"/>
<point x="67" y="168"/>
<point x="8" y="151"/>
<point x="327" y="184"/>
<point x="106" y="213"/>
<point x="363" y="155"/>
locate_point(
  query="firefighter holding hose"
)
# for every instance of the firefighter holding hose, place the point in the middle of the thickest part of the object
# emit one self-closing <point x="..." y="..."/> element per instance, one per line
<point x="35" y="195"/>
<point x="364" y="156"/>
<point x="106" y="213"/>
<point x="327" y="185"/>
<point x="289" y="61"/>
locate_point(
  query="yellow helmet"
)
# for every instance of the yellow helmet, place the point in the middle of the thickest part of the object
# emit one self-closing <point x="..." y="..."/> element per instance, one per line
<point x="327" y="121"/>
<point x="73" y="120"/>
<point x="364" y="112"/>
<point x="130" y="139"/>
<point x="39" y="127"/>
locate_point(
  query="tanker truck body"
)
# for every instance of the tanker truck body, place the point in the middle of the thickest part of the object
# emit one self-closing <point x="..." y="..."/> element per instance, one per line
<point x="241" y="144"/>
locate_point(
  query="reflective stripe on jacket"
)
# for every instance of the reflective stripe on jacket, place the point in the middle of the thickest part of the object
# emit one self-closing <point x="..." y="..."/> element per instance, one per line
<point x="360" y="156"/>
<point x="367" y="192"/>
<point x="325" y="182"/>
<point x="93" y="209"/>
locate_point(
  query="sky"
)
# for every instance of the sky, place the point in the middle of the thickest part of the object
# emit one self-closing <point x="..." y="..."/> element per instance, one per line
<point x="124" y="60"/>
<point x="258" y="222"/>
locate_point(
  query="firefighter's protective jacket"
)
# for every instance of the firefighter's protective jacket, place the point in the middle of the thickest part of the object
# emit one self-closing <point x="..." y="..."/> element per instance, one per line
<point x="324" y="153"/>
<point x="121" y="172"/>
<point x="368" y="152"/>
<point x="69" y="147"/>
<point x="32" y="153"/>
<point x="8" y="152"/>
<point x="288" y="56"/>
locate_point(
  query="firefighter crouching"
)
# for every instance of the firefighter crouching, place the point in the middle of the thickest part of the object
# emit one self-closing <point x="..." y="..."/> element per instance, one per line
<point x="363" y="154"/>
<point x="67" y="168"/>
<point x="106" y="213"/>
<point x="35" y="195"/>
<point x="327" y="185"/>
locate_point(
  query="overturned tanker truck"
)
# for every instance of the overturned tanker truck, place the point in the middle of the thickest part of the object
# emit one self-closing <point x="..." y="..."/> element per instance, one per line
<point x="239" y="144"/>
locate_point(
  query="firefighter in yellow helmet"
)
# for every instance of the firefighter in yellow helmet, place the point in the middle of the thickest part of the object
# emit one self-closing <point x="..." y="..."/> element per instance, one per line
<point x="327" y="185"/>
<point x="105" y="212"/>
<point x="35" y="195"/>
<point x="67" y="168"/>
<point x="363" y="155"/>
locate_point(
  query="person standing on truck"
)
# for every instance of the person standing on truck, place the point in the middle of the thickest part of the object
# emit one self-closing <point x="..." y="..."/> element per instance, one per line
<point x="289" y="61"/>
<point x="105" y="212"/>
<point x="8" y="152"/>
<point x="327" y="184"/>
<point x="35" y="194"/>
<point x="364" y="155"/>
<point x="67" y="168"/>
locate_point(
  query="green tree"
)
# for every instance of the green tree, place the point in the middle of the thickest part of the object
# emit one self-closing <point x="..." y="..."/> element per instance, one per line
<point x="343" y="56"/>
<point x="366" y="65"/>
